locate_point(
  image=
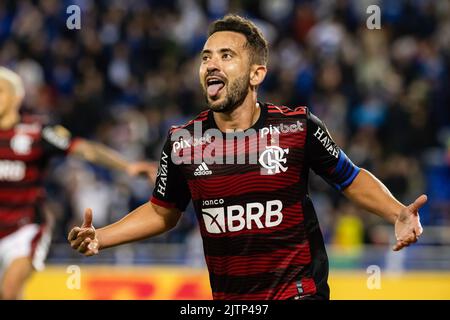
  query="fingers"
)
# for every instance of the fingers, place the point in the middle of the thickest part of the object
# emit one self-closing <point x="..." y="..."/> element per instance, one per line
<point x="82" y="235"/>
<point x="93" y="247"/>
<point x="75" y="244"/>
<point x="82" y="239"/>
<point x="88" y="247"/>
<point x="412" y="239"/>
<point x="399" y="245"/>
<point x="73" y="234"/>
<point x="84" y="245"/>
<point x="406" y="241"/>
<point x="418" y="203"/>
<point x="418" y="230"/>
<point x="87" y="223"/>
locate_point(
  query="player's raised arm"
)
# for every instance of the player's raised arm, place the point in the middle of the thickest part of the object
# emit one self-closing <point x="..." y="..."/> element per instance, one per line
<point x="58" y="140"/>
<point x="102" y="155"/>
<point x="146" y="221"/>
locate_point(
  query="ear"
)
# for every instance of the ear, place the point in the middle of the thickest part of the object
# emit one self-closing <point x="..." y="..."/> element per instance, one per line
<point x="257" y="74"/>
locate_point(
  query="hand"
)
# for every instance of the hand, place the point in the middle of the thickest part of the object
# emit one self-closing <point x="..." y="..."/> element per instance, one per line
<point x="148" y="169"/>
<point x="407" y="225"/>
<point x="84" y="238"/>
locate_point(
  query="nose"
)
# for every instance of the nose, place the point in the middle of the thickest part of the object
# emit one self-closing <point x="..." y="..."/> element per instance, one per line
<point x="212" y="65"/>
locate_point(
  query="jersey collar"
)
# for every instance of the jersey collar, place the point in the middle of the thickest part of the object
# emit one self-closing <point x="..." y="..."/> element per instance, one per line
<point x="257" y="125"/>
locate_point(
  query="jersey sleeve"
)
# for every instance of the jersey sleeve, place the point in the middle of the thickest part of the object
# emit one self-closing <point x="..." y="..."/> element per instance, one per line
<point x="325" y="158"/>
<point x="171" y="187"/>
<point x="57" y="140"/>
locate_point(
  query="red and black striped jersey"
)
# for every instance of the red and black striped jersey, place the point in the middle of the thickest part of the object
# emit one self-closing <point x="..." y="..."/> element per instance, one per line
<point x="260" y="233"/>
<point x="25" y="151"/>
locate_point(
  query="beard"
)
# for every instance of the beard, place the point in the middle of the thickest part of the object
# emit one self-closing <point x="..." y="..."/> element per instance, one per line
<point x="236" y="94"/>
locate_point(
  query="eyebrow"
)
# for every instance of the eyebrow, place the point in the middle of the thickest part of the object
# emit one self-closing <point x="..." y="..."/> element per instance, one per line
<point x="222" y="50"/>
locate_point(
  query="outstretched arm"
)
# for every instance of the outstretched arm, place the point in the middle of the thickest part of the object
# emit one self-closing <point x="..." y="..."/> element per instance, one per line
<point x="371" y="194"/>
<point x="146" y="221"/>
<point x="102" y="155"/>
<point x="359" y="185"/>
<point x="170" y="197"/>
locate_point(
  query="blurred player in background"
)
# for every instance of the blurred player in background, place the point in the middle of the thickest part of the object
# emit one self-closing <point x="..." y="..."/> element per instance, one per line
<point x="25" y="150"/>
<point x="260" y="232"/>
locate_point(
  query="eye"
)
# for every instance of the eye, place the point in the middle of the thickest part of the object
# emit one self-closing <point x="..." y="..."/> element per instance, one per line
<point x="226" y="56"/>
<point x="205" y="58"/>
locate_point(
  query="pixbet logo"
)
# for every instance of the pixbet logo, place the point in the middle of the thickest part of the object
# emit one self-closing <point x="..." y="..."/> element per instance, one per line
<point x="192" y="142"/>
<point x="216" y="147"/>
<point x="282" y="128"/>
<point x="236" y="218"/>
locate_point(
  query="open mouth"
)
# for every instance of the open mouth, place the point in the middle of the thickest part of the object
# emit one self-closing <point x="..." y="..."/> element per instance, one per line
<point x="214" y="85"/>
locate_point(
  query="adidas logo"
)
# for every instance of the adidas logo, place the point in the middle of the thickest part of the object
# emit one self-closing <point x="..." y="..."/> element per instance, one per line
<point x="202" y="170"/>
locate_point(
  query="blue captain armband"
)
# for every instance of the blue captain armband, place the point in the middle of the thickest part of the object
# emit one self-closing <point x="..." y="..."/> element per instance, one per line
<point x="344" y="173"/>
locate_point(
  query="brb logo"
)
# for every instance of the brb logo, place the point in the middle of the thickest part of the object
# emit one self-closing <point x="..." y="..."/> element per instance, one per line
<point x="236" y="218"/>
<point x="273" y="159"/>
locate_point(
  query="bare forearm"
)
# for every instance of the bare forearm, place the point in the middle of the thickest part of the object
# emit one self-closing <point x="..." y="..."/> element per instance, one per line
<point x="100" y="154"/>
<point x="144" y="222"/>
<point x="371" y="194"/>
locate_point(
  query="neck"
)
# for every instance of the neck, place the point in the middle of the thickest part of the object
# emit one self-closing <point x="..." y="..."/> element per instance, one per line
<point x="241" y="118"/>
<point x="9" y="120"/>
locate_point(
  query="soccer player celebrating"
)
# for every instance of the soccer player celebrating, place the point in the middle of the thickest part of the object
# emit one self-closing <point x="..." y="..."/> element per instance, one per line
<point x="25" y="149"/>
<point x="260" y="233"/>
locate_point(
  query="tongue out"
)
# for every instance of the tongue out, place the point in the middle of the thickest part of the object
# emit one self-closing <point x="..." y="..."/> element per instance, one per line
<point x="214" y="89"/>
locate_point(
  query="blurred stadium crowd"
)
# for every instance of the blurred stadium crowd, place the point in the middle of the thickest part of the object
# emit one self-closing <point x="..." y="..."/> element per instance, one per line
<point x="131" y="72"/>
